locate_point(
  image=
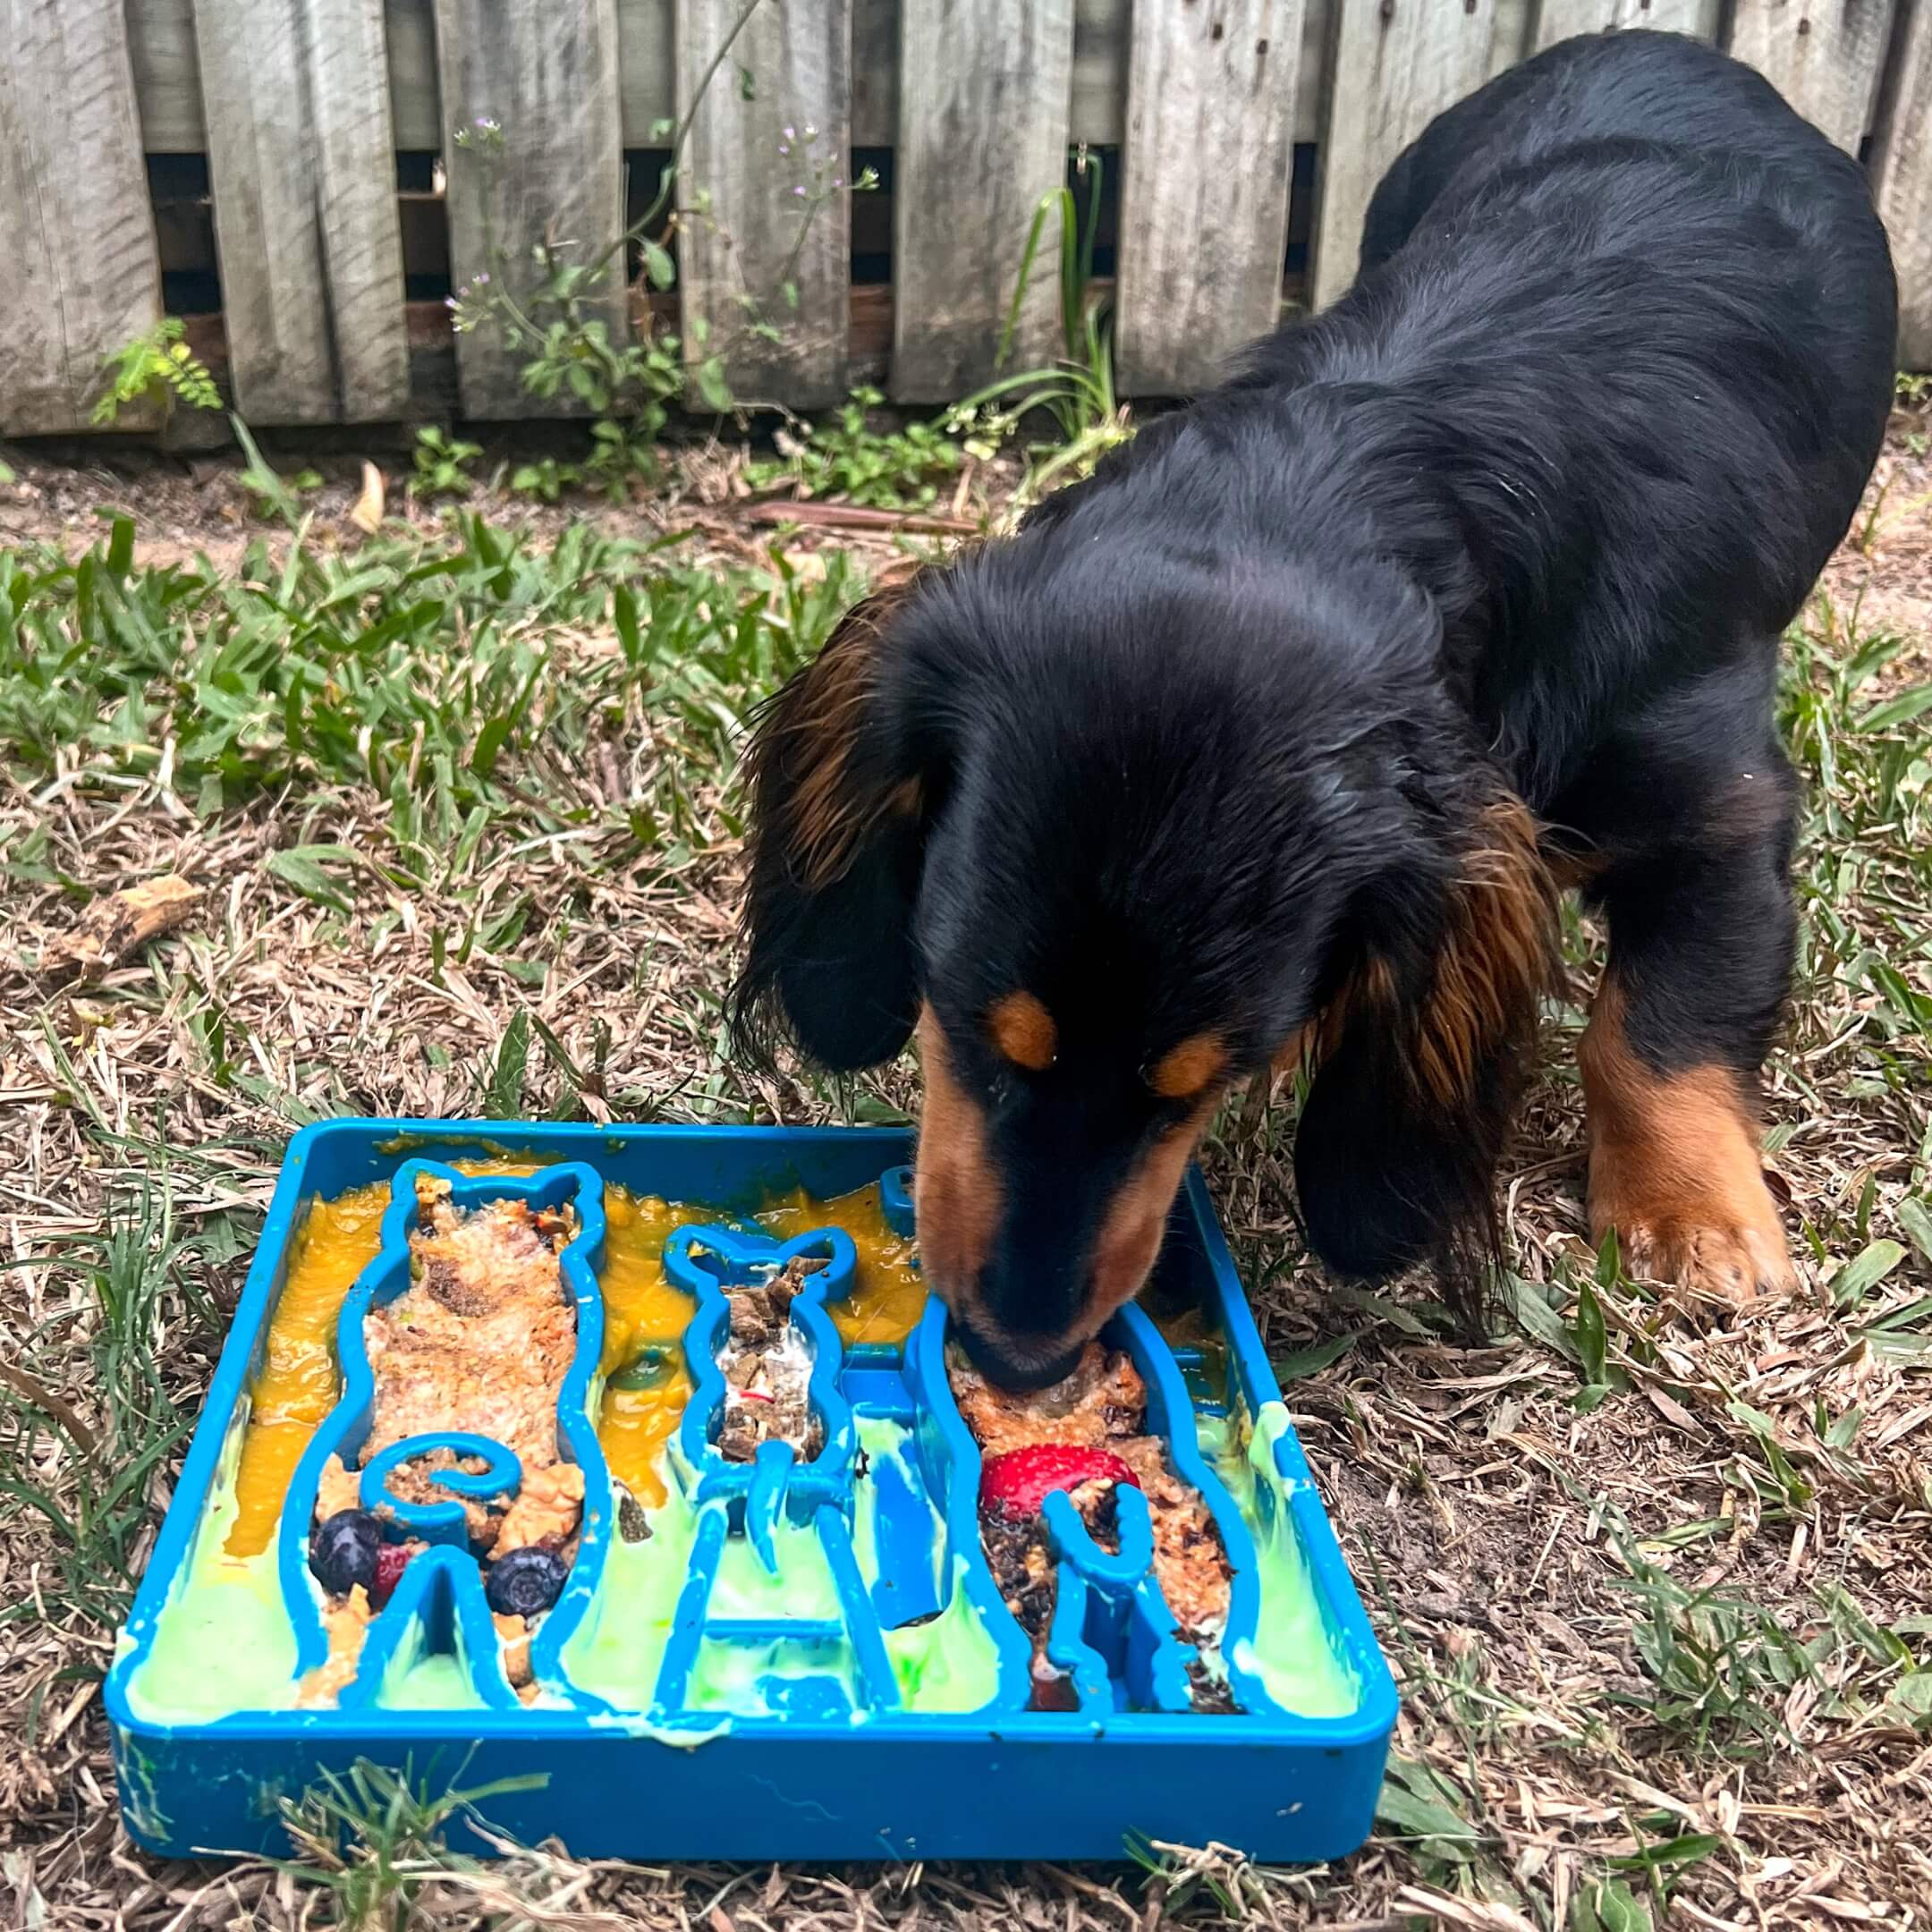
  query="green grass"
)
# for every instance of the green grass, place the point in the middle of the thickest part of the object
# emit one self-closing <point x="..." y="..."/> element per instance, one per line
<point x="373" y="1841"/>
<point x="139" y="1277"/>
<point x="427" y="673"/>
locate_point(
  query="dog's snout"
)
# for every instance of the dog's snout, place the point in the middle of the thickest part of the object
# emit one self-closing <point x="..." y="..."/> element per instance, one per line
<point x="1010" y="1365"/>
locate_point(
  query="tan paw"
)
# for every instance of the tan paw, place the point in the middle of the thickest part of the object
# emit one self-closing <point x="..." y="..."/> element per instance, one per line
<point x="1730" y="1261"/>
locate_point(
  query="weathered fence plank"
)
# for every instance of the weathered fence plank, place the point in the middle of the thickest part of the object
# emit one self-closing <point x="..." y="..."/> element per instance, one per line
<point x="546" y="77"/>
<point x="984" y="91"/>
<point x="1203" y="188"/>
<point x="1558" y="20"/>
<point x="1397" y="65"/>
<point x="773" y="243"/>
<point x="1902" y="179"/>
<point x="77" y="245"/>
<point x="1825" y="57"/>
<point x="303" y="165"/>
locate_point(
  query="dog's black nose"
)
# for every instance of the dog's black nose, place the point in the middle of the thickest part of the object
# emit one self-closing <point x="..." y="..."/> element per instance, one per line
<point x="1006" y="1367"/>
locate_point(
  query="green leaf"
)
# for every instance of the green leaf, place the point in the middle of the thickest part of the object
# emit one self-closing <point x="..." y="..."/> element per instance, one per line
<point x="1911" y="1697"/>
<point x="1538" y="1319"/>
<point x="1689" y="1848"/>
<point x="1436" y="1830"/>
<point x="302" y="867"/>
<point x="120" y="545"/>
<point x="489" y="744"/>
<point x="1592" y="1337"/>
<point x="1916" y="1224"/>
<point x="709" y="377"/>
<point x="658" y="266"/>
<point x="503" y="1092"/>
<point x="1900" y="710"/>
<point x="1863" y="1273"/>
<point x="1609" y="1906"/>
<point x="624" y="617"/>
<point x="1309" y="1361"/>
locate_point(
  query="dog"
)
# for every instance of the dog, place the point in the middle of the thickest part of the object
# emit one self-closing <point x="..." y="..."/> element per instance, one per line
<point x="1279" y="737"/>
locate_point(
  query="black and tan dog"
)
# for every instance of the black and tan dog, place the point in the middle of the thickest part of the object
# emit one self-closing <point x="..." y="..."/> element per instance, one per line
<point x="1283" y="733"/>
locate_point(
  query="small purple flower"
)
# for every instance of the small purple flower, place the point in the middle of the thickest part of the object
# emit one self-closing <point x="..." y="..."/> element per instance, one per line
<point x="798" y="191"/>
<point x="789" y="135"/>
<point x="838" y="180"/>
<point x="482" y="279"/>
<point x="782" y="149"/>
<point x="449" y="301"/>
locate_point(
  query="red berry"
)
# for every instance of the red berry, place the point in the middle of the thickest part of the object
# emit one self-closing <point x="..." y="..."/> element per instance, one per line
<point x="391" y="1561"/>
<point x="1018" y="1481"/>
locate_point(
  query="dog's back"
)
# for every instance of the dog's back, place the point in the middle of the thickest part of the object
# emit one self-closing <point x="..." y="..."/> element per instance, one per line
<point x="1659" y="89"/>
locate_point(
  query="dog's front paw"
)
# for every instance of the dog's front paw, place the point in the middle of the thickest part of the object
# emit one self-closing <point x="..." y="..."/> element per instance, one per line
<point x="1718" y="1255"/>
<point x="1673" y="1170"/>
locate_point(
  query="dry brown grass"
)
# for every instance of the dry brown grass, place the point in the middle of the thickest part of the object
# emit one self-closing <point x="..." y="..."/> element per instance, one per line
<point x="1659" y="1612"/>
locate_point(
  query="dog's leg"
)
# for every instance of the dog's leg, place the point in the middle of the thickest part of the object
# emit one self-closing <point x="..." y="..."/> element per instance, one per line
<point x="1701" y="935"/>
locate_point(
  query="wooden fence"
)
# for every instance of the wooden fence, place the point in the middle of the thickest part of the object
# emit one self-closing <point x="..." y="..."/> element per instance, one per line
<point x="302" y="109"/>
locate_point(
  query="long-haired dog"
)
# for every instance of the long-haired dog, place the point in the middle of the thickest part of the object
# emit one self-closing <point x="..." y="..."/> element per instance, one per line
<point x="1282" y="733"/>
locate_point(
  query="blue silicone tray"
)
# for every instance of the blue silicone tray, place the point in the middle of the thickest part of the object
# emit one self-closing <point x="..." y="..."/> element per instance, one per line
<point x="827" y="1754"/>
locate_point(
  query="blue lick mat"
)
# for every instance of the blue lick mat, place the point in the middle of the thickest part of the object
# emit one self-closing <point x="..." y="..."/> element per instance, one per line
<point x="828" y="1745"/>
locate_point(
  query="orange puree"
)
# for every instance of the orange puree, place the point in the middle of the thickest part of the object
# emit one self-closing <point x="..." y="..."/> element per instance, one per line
<point x="889" y="1292"/>
<point x="642" y="1312"/>
<point x="296" y="1387"/>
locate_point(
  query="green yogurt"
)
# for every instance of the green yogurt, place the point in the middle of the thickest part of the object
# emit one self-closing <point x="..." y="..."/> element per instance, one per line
<point x="222" y="1642"/>
<point x="1290" y="1651"/>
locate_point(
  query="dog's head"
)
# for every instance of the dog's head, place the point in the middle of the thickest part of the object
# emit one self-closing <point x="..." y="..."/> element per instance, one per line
<point x="1111" y="834"/>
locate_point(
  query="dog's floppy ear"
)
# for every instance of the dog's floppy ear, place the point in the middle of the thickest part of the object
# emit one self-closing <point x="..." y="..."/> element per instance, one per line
<point x="838" y="808"/>
<point x="1423" y="1051"/>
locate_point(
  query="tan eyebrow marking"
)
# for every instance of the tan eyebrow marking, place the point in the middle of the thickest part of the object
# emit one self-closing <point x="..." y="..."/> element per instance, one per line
<point x="1024" y="1031"/>
<point x="1183" y="1070"/>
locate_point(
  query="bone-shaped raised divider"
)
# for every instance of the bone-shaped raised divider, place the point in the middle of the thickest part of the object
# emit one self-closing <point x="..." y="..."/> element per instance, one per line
<point x="748" y="1498"/>
<point x="1112" y="1596"/>
<point x="951" y="1457"/>
<point x="440" y="1597"/>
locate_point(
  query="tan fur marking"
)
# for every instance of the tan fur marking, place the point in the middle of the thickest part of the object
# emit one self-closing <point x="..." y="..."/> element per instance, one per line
<point x="807" y="740"/>
<point x="830" y="812"/>
<point x="1130" y="1236"/>
<point x="956" y="1190"/>
<point x="1499" y="956"/>
<point x="1024" y="1031"/>
<point x="1182" y="1072"/>
<point x="1674" y="1168"/>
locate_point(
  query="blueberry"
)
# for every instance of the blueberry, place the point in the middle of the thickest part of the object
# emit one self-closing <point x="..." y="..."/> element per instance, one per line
<point x="524" y="1582"/>
<point x="342" y="1551"/>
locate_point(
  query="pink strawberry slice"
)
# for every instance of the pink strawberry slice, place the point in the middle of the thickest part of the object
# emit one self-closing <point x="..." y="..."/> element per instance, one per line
<point x="391" y="1561"/>
<point x="1018" y="1481"/>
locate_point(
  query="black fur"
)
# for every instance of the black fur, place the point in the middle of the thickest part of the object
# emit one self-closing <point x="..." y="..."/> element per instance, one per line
<point x="1521" y="516"/>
